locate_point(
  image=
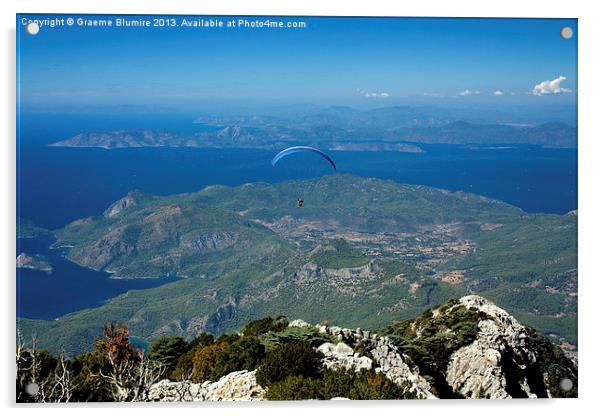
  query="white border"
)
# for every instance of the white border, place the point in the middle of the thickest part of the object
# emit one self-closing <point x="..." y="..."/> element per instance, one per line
<point x="590" y="207"/>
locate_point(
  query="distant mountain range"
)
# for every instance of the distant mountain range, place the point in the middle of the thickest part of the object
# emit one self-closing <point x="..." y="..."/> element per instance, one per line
<point x="337" y="128"/>
<point x="389" y="117"/>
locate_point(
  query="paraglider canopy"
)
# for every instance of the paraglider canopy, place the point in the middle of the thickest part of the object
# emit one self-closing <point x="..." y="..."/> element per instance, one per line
<point x="297" y="149"/>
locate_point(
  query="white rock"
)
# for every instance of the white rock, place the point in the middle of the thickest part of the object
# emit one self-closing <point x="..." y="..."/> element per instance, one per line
<point x="390" y="361"/>
<point x="363" y="363"/>
<point x="298" y="323"/>
<point x="475" y="370"/>
<point x="236" y="386"/>
<point x="327" y="348"/>
<point x="343" y="349"/>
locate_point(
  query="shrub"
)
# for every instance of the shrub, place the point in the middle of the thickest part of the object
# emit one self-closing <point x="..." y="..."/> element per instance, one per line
<point x="337" y="383"/>
<point x="295" y="388"/>
<point x="85" y="383"/>
<point x="184" y="367"/>
<point x="552" y="366"/>
<point x="370" y="386"/>
<point x="365" y="385"/>
<point x="294" y="334"/>
<point x="244" y="354"/>
<point x="202" y="340"/>
<point x="294" y="359"/>
<point x="227" y="338"/>
<point x="167" y="350"/>
<point x="219" y="359"/>
<point x="203" y="362"/>
<point x="46" y="363"/>
<point x="264" y="325"/>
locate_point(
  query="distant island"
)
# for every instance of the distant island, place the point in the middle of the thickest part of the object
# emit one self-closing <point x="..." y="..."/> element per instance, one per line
<point x="229" y="137"/>
<point x="334" y="128"/>
<point x="34" y="262"/>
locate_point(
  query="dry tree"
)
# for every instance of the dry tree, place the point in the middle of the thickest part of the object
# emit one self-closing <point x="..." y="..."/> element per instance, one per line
<point x="130" y="374"/>
<point x="131" y="380"/>
<point x="34" y="386"/>
<point x="57" y="387"/>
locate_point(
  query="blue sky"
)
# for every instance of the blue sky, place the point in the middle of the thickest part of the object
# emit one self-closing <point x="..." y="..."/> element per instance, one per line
<point x="352" y="61"/>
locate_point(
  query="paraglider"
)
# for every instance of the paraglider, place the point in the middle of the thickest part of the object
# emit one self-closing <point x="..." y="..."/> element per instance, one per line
<point x="296" y="149"/>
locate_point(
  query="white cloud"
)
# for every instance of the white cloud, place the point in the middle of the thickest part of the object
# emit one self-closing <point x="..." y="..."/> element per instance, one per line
<point x="465" y="93"/>
<point x="432" y="94"/>
<point x="498" y="92"/>
<point x="477" y="92"/>
<point x="377" y="95"/>
<point x="550" y="87"/>
<point x="369" y="94"/>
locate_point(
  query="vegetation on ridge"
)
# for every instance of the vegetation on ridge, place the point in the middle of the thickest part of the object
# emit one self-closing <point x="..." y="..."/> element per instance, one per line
<point x="288" y="365"/>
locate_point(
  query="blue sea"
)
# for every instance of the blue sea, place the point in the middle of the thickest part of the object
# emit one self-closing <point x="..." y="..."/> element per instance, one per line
<point x="69" y="287"/>
<point x="59" y="185"/>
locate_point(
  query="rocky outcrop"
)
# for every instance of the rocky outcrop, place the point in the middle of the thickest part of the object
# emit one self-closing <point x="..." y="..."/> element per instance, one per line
<point x="230" y="133"/>
<point x="470" y="348"/>
<point x="298" y="323"/>
<point x="121" y="205"/>
<point x="236" y="386"/>
<point x="342" y="356"/>
<point x="202" y="243"/>
<point x="104" y="250"/>
<point x="394" y="365"/>
<point x="493" y="364"/>
<point x="349" y="281"/>
<point x="467" y="348"/>
<point x="385" y="358"/>
<point x="382" y="356"/>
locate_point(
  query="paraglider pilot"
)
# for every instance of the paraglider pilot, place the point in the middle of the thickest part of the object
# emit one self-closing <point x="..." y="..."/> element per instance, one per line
<point x="296" y="149"/>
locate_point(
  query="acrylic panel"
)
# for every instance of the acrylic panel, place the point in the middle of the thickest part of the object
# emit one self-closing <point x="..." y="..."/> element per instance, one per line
<point x="291" y="208"/>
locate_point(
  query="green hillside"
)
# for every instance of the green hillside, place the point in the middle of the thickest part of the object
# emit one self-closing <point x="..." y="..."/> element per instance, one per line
<point x="369" y="295"/>
<point x="363" y="203"/>
<point x="147" y="236"/>
<point x="360" y="252"/>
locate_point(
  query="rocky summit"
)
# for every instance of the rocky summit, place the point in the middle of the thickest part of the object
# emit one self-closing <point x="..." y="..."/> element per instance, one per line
<point x="467" y="348"/>
<point x="483" y="367"/>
